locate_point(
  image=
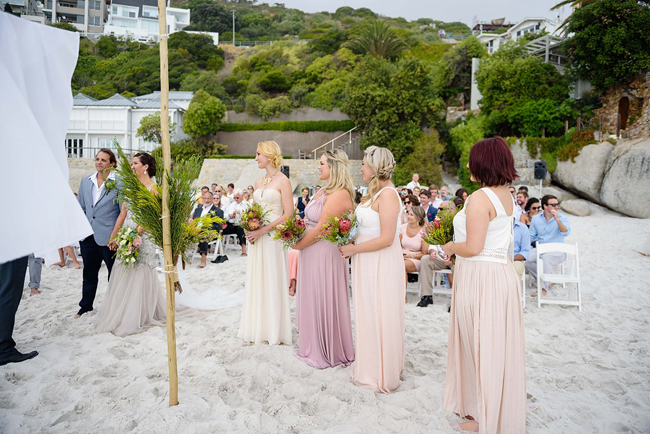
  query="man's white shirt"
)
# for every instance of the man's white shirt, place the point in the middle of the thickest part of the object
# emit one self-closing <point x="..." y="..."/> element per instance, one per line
<point x="97" y="190"/>
<point x="234" y="206"/>
<point x="411" y="185"/>
<point x="205" y="210"/>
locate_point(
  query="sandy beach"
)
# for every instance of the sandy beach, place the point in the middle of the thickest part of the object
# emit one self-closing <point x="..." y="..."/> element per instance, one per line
<point x="587" y="372"/>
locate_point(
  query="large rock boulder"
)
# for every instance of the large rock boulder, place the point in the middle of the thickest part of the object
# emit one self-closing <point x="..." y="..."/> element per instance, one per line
<point x="626" y="182"/>
<point x="585" y="176"/>
<point x="577" y="207"/>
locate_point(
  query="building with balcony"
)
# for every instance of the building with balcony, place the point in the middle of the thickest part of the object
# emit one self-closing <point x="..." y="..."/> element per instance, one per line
<point x="514" y="32"/>
<point x="96" y="124"/>
<point x="88" y="16"/>
<point x="138" y="20"/>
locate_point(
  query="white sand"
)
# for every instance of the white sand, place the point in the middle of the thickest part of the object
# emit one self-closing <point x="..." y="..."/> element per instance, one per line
<point x="587" y="372"/>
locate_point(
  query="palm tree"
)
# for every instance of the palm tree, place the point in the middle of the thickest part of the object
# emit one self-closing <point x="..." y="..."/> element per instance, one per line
<point x="377" y="39"/>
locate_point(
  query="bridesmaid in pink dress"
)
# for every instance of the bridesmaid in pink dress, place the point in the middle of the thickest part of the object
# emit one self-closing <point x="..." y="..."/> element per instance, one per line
<point x="322" y="300"/>
<point x="378" y="278"/>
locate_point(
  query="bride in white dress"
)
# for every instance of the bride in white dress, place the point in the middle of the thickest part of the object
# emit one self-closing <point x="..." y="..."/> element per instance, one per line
<point x="134" y="300"/>
<point x="266" y="313"/>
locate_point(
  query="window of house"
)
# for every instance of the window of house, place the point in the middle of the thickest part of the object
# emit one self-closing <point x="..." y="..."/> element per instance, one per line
<point x="80" y="19"/>
<point x="94" y="21"/>
<point x="94" y="5"/>
<point x="74" y="147"/>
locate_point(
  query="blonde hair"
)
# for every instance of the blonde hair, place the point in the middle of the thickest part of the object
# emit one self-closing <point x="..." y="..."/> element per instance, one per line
<point x="272" y="151"/>
<point x="340" y="177"/>
<point x="382" y="162"/>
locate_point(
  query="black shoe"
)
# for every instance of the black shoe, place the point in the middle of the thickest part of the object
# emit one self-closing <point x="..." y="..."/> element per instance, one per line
<point x="217" y="260"/>
<point x="82" y="311"/>
<point x="18" y="357"/>
<point x="425" y="301"/>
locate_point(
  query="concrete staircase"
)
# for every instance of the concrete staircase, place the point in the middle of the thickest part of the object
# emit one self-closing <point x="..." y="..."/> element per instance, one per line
<point x="347" y="142"/>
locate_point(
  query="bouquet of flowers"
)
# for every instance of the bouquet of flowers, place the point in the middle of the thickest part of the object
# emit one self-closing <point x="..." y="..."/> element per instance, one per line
<point x="290" y="232"/>
<point x="340" y="230"/>
<point x="253" y="217"/>
<point x="128" y="246"/>
<point x="441" y="230"/>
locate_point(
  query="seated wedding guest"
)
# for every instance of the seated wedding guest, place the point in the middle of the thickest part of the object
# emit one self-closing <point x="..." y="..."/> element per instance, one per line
<point x="214" y="187"/>
<point x="457" y="202"/>
<point x="408" y="201"/>
<point x="523" y="188"/>
<point x="70" y="252"/>
<point x="302" y="202"/>
<point x="224" y="199"/>
<point x="414" y="182"/>
<point x="435" y="197"/>
<point x="247" y="197"/>
<point x="411" y="239"/>
<point x="521" y="200"/>
<point x="216" y="201"/>
<point x="444" y="193"/>
<point x="531" y="210"/>
<point x="431" y="262"/>
<point x="232" y="213"/>
<point x="416" y="192"/>
<point x="427" y="206"/>
<point x="547" y="227"/>
<point x="207" y="208"/>
<point x="462" y="194"/>
<point x="231" y="191"/>
<point x="521" y="250"/>
<point x="35" y="270"/>
<point x="250" y="190"/>
<point x="512" y="192"/>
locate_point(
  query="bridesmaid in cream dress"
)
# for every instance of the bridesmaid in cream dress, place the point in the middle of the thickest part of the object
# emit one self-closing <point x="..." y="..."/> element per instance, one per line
<point x="266" y="313"/>
<point x="378" y="278"/>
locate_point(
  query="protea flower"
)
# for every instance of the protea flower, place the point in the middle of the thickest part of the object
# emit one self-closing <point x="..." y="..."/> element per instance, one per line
<point x="254" y="223"/>
<point x="344" y="225"/>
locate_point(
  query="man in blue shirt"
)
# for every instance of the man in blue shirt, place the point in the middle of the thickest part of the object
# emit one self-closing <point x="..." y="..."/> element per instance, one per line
<point x="425" y="203"/>
<point x="522" y="247"/>
<point x="548" y="226"/>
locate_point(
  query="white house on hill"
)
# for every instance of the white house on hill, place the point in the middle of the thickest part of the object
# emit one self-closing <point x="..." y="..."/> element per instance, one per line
<point x="94" y="124"/>
<point x="492" y="41"/>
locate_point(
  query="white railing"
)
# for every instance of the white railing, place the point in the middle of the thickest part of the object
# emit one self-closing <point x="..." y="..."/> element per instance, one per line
<point x="332" y="143"/>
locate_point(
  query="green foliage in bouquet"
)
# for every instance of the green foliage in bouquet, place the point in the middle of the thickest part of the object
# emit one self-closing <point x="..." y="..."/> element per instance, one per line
<point x="340" y="230"/>
<point x="146" y="207"/>
<point x="440" y="231"/>
<point x="253" y="217"/>
<point x="290" y="232"/>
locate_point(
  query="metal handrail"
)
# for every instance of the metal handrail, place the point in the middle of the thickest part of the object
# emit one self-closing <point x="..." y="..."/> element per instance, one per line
<point x="333" y="140"/>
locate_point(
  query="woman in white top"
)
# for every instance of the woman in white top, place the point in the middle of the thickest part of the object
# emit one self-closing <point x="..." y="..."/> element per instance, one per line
<point x="486" y="370"/>
<point x="378" y="278"/>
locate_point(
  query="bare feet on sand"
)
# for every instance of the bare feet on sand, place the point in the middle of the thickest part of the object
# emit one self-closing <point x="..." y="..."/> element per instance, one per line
<point x="534" y="294"/>
<point x="60" y="264"/>
<point x="34" y="291"/>
<point x="469" y="426"/>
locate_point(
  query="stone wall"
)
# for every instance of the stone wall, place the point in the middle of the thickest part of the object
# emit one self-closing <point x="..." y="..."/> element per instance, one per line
<point x="244" y="143"/>
<point x="299" y="114"/>
<point x="244" y="172"/>
<point x="637" y="92"/>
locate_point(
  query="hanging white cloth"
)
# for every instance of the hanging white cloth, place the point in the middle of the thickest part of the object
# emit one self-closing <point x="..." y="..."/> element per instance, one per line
<point x="36" y="66"/>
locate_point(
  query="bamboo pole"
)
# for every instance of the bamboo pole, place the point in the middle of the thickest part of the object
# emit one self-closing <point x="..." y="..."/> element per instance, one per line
<point x="167" y="245"/>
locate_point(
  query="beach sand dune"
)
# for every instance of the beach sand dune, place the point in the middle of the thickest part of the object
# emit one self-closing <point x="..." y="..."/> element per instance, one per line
<point x="587" y="372"/>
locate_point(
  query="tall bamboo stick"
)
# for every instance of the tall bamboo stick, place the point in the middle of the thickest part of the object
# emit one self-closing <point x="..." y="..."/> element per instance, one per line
<point x="167" y="245"/>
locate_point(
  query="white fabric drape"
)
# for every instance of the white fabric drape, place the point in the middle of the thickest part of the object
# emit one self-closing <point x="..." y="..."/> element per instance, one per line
<point x="39" y="211"/>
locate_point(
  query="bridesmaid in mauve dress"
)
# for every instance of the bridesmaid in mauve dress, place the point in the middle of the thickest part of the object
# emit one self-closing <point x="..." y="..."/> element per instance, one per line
<point x="322" y="301"/>
<point x="378" y="278"/>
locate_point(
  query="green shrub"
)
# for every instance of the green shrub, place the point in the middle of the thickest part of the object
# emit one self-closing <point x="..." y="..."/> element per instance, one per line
<point x="204" y="147"/>
<point x="298" y="126"/>
<point x="463" y="138"/>
<point x="274" y="107"/>
<point x="424" y="160"/>
<point x="578" y="141"/>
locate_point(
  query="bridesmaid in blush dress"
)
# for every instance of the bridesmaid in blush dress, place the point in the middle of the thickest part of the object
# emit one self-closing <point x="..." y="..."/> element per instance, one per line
<point x="322" y="301"/>
<point x="378" y="278"/>
<point x="486" y="368"/>
<point x="266" y="315"/>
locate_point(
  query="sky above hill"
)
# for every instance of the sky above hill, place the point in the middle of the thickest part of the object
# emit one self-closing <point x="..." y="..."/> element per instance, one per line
<point x="466" y="11"/>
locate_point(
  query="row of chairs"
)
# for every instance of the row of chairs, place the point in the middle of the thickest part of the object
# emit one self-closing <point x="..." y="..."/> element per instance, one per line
<point x="564" y="278"/>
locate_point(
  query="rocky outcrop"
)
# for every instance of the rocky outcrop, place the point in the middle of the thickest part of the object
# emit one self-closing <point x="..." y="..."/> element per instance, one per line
<point x="617" y="177"/>
<point x="586" y="174"/>
<point x="577" y="207"/>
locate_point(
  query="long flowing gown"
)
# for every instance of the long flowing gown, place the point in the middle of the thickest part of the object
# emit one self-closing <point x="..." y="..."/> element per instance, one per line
<point x="378" y="288"/>
<point x="322" y="301"/>
<point x="266" y="316"/>
<point x="134" y="300"/>
<point x="486" y="370"/>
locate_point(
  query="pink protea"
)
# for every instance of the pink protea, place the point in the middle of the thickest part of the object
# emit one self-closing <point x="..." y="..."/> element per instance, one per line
<point x="137" y="243"/>
<point x="300" y="223"/>
<point x="436" y="224"/>
<point x="254" y="223"/>
<point x="287" y="235"/>
<point x="345" y="224"/>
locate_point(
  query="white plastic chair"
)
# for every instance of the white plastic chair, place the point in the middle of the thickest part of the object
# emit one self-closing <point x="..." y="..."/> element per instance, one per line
<point x="413" y="286"/>
<point x="571" y="250"/>
<point x="230" y="240"/>
<point x="215" y="245"/>
<point x="439" y="282"/>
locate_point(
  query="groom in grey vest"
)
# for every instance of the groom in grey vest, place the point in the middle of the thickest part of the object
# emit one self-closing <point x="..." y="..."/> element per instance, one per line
<point x="98" y="199"/>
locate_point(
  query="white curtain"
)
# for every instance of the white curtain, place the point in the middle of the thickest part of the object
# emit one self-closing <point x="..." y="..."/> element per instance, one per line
<point x="38" y="210"/>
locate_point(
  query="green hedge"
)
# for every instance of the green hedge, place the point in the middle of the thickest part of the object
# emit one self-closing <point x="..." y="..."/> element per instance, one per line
<point x="299" y="126"/>
<point x="242" y="157"/>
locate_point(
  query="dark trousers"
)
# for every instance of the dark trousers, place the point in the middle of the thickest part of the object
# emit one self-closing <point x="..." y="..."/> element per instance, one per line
<point x="93" y="254"/>
<point x="12" y="278"/>
<point x="232" y="229"/>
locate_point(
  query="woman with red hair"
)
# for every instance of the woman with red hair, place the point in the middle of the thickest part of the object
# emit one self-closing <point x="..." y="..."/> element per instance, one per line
<point x="486" y="370"/>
